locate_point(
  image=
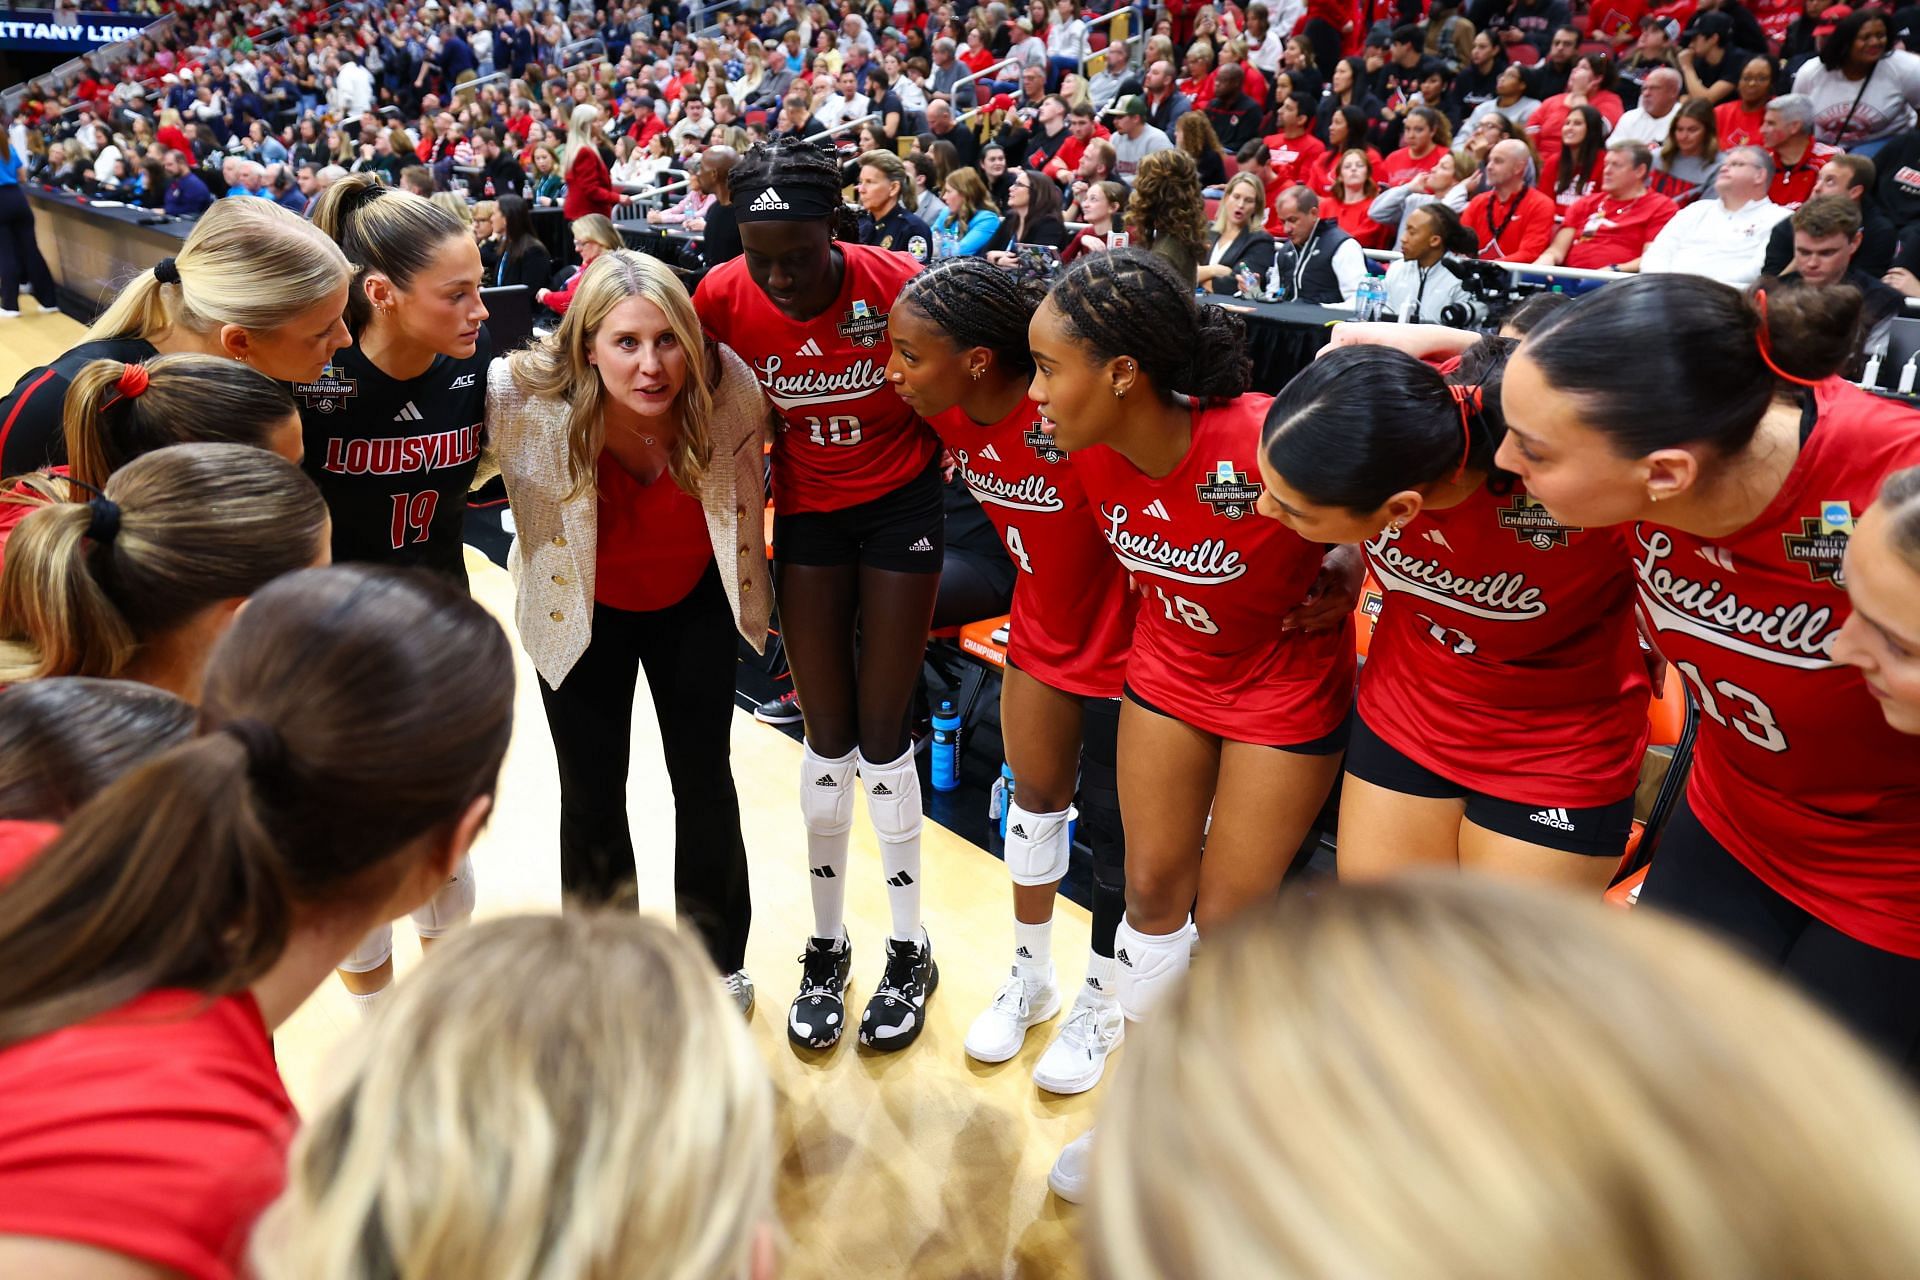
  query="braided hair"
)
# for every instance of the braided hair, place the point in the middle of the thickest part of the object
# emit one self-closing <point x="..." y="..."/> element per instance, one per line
<point x="977" y="304"/>
<point x="1133" y="303"/>
<point x="786" y="161"/>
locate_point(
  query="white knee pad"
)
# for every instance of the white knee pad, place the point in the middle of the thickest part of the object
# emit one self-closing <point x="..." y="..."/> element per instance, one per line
<point x="374" y="950"/>
<point x="451" y="907"/>
<point x="1039" y="845"/>
<point x="893" y="798"/>
<point x="826" y="792"/>
<point x="1149" y="965"/>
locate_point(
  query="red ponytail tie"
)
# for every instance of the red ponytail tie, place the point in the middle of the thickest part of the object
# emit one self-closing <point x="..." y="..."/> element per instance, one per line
<point x="1470" y="400"/>
<point x="133" y="380"/>
<point x="1764" y="339"/>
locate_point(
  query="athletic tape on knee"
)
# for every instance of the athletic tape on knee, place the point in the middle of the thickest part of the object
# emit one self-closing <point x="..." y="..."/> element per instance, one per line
<point x="1149" y="966"/>
<point x="893" y="798"/>
<point x="1039" y="845"/>
<point x="826" y="792"/>
<point x="450" y="908"/>
<point x="374" y="950"/>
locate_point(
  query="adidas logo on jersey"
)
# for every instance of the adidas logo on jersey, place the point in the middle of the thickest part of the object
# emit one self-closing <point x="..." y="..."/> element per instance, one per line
<point x="881" y="789"/>
<point x="989" y="454"/>
<point x="1718" y="557"/>
<point x="1555" y="818"/>
<point x="825" y="780"/>
<point x="768" y="200"/>
<point x="409" y="414"/>
<point x="825" y="873"/>
<point x="1157" y="509"/>
<point x="1435" y="536"/>
<point x="809" y="348"/>
<point x="922" y="545"/>
<point x="900" y="881"/>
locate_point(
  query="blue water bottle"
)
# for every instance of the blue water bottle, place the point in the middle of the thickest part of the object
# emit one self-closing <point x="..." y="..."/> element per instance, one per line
<point x="946" y="747"/>
<point x="1001" y="799"/>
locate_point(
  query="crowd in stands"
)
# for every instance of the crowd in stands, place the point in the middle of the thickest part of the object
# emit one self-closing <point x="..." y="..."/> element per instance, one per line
<point x="1557" y="142"/>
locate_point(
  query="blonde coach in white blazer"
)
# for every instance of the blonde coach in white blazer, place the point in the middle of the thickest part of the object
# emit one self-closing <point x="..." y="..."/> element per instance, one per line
<point x="632" y="450"/>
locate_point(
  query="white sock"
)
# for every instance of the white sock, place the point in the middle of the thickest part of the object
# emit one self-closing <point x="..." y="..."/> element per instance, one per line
<point x="826" y="807"/>
<point x="893" y="806"/>
<point x="1100" y="970"/>
<point x="1033" y="949"/>
<point x="369" y="1001"/>
<point x="1150" y="964"/>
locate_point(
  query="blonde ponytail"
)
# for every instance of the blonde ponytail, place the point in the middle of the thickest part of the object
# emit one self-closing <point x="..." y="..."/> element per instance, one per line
<point x="85" y="584"/>
<point x="250" y="263"/>
<point x="178" y="399"/>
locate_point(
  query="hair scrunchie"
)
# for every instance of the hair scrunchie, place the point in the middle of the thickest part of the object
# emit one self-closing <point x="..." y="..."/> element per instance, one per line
<point x="166" y="272"/>
<point x="103" y="524"/>
<point x="266" y="749"/>
<point x="132" y="381"/>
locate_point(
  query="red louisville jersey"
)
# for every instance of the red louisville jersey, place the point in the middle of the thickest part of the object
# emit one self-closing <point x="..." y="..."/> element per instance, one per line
<point x="1215" y="581"/>
<point x="846" y="437"/>
<point x="1797" y="772"/>
<point x="1505" y="657"/>
<point x="1072" y="611"/>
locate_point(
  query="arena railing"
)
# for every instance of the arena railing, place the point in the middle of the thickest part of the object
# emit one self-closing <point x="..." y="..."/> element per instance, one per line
<point x="1521" y="268"/>
<point x="843" y="126"/>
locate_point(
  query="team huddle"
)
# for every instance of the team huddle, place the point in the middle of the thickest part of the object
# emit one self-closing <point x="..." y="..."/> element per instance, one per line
<point x="1533" y="525"/>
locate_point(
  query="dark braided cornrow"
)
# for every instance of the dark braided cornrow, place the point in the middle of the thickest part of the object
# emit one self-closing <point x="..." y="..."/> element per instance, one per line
<point x="977" y="304"/>
<point x="786" y="161"/>
<point x="1128" y="302"/>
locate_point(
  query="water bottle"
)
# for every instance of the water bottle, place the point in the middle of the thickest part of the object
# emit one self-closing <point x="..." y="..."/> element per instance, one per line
<point x="946" y="747"/>
<point x="1276" y="282"/>
<point x="1000" y="799"/>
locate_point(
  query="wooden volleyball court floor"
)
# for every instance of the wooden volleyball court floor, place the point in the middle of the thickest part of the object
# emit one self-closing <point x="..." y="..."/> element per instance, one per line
<point x="921" y="1163"/>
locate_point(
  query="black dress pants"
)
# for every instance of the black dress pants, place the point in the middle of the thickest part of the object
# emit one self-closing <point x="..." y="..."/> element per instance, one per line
<point x="688" y="651"/>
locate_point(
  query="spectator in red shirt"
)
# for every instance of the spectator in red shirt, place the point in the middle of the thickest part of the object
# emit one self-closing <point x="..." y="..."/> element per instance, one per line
<point x="1589" y="84"/>
<point x="1297" y="154"/>
<point x="1787" y="133"/>
<point x="1574" y="170"/>
<point x="646" y="122"/>
<point x="1738" y="121"/>
<point x="589" y="187"/>
<point x="1082" y="127"/>
<point x="1347" y="130"/>
<point x="1609" y="229"/>
<point x="1351" y="198"/>
<point x="1427" y="136"/>
<point x="1513" y="221"/>
<point x="335" y="785"/>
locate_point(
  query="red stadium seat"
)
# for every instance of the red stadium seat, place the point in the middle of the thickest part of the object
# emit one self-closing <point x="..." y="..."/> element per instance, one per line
<point x="1523" y="54"/>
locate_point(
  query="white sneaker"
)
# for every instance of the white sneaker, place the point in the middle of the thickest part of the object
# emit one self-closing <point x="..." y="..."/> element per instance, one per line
<point x="6" y="314"/>
<point x="1068" y="1177"/>
<point x="998" y="1033"/>
<point x="1075" y="1060"/>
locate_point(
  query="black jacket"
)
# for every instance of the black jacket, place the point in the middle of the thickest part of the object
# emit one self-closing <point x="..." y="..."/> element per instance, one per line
<point x="1253" y="249"/>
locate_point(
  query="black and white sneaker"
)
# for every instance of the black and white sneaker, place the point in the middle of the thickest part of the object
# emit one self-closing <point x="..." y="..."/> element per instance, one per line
<point x="819" y="1012"/>
<point x="784" y="709"/>
<point x="897" y="1011"/>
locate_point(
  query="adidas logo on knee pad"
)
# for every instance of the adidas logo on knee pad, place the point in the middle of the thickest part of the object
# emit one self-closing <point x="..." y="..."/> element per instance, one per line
<point x="900" y="881"/>
<point x="880" y="789"/>
<point x="1122" y="956"/>
<point x="825" y="873"/>
<point x="825" y="780"/>
<point x="1017" y="830"/>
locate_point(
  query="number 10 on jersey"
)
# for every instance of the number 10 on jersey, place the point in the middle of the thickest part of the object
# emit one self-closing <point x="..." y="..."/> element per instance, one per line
<point x="840" y="429"/>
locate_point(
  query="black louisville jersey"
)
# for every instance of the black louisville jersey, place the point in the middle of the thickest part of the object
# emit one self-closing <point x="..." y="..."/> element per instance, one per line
<point x="395" y="459"/>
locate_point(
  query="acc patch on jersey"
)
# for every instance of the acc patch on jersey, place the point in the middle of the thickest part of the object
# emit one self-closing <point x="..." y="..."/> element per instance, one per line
<point x="1228" y="491"/>
<point x="1533" y="526"/>
<point x="327" y="392"/>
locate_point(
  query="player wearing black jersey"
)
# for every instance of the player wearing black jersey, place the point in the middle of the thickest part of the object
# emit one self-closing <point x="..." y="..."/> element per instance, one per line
<point x="395" y="423"/>
<point x="394" y="428"/>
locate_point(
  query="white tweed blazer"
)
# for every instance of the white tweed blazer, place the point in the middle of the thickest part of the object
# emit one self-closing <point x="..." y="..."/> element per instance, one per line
<point x="554" y="549"/>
